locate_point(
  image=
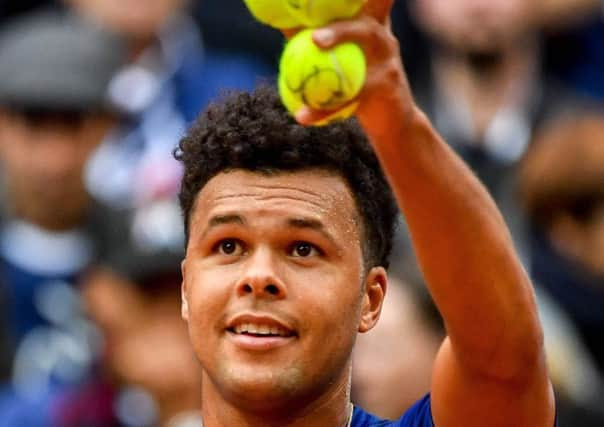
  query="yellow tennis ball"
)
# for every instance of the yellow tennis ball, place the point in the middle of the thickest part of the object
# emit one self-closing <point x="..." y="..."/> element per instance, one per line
<point x="316" y="13"/>
<point x="293" y="104"/>
<point x="321" y="79"/>
<point x="290" y="100"/>
<point x="272" y="12"/>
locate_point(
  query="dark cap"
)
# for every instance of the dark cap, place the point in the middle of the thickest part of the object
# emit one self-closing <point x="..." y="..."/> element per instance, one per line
<point x="53" y="60"/>
<point x="143" y="244"/>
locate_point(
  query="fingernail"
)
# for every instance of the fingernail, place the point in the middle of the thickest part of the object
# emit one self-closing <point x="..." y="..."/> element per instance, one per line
<point x="324" y="36"/>
<point x="301" y="116"/>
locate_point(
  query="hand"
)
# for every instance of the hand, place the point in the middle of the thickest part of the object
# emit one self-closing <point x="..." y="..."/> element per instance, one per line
<point x="386" y="91"/>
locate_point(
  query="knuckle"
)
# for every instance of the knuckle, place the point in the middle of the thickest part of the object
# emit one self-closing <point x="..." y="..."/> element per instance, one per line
<point x="392" y="41"/>
<point x="391" y="72"/>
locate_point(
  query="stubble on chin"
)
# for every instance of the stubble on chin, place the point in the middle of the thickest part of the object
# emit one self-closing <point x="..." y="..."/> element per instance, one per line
<point x="262" y="383"/>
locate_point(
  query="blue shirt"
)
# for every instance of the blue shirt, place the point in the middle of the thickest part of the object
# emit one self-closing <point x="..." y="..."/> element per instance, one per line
<point x="419" y="415"/>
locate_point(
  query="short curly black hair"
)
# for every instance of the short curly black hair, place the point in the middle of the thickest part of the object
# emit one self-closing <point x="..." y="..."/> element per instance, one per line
<point x="252" y="131"/>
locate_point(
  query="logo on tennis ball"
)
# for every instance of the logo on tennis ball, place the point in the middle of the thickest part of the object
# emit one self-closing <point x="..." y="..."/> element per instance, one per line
<point x="320" y="79"/>
<point x="316" y="13"/>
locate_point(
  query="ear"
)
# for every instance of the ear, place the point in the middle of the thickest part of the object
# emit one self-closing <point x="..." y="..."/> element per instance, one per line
<point x="374" y="291"/>
<point x="184" y="306"/>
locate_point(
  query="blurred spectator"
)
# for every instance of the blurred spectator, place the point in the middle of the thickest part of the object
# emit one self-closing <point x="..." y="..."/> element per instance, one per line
<point x="563" y="189"/>
<point x="171" y="76"/>
<point x="148" y="372"/>
<point x="562" y="186"/>
<point x="485" y="90"/>
<point x="54" y="72"/>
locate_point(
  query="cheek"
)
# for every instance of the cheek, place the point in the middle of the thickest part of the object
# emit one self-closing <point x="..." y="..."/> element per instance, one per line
<point x="332" y="306"/>
<point x="14" y="155"/>
<point x="208" y="291"/>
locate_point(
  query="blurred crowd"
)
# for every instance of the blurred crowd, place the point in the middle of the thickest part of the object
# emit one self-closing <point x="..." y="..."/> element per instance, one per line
<point x="94" y="96"/>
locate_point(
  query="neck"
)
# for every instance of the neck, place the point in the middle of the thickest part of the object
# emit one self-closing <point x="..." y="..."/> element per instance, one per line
<point x="329" y="408"/>
<point x="487" y="83"/>
<point x="179" y="404"/>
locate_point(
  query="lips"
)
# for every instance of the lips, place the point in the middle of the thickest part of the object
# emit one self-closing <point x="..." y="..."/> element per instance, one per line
<point x="259" y="332"/>
<point x="260" y="325"/>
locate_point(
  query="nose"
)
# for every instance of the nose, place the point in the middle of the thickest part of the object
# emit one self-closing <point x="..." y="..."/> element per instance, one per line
<point x="260" y="278"/>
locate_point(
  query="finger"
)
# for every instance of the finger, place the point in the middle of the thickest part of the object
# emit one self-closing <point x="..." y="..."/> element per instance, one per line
<point x="365" y="31"/>
<point x="307" y="116"/>
<point x="378" y="9"/>
<point x="358" y="30"/>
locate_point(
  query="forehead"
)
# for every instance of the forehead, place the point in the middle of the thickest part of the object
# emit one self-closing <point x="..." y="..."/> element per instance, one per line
<point x="314" y="194"/>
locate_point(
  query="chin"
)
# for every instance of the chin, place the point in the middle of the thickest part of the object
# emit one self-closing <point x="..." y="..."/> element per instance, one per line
<point x="261" y="388"/>
<point x="278" y="381"/>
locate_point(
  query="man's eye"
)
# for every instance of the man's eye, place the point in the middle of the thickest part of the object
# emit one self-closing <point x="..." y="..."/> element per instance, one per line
<point x="304" y="250"/>
<point x="230" y="247"/>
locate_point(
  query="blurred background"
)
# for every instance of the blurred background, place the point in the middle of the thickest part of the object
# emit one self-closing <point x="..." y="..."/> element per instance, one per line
<point x="94" y="96"/>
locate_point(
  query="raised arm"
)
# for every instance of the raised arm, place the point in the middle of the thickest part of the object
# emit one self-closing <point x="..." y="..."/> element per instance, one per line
<point x="491" y="369"/>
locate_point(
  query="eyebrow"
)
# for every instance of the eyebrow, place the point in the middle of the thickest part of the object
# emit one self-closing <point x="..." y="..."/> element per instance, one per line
<point x="217" y="220"/>
<point x="308" y="223"/>
<point x="299" y="223"/>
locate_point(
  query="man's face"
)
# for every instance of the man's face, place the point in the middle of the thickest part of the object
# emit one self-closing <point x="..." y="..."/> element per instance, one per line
<point x="475" y="25"/>
<point x="274" y="286"/>
<point x="134" y="18"/>
<point x="42" y="159"/>
<point x="132" y="322"/>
